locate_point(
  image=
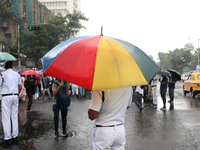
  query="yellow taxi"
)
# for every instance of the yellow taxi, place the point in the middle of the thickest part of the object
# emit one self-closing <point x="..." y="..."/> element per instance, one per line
<point x="192" y="84"/>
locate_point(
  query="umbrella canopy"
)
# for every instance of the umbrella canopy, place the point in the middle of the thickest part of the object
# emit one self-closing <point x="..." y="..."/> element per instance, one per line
<point x="99" y="62"/>
<point x="29" y="72"/>
<point x="6" y="56"/>
<point x="39" y="72"/>
<point x="163" y="72"/>
<point x="175" y="73"/>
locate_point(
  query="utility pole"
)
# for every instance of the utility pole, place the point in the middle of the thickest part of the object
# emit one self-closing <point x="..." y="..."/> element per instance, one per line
<point x="18" y="46"/>
<point x="198" y="53"/>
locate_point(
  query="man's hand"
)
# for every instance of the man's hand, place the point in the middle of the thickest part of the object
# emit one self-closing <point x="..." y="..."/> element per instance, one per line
<point x="68" y="92"/>
<point x="92" y="114"/>
<point x="60" y="84"/>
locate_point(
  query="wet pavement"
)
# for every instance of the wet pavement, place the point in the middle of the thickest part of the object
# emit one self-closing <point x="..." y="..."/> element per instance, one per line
<point x="152" y="129"/>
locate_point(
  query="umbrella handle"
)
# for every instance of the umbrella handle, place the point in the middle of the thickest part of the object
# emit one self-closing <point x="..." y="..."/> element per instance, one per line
<point x="101" y="30"/>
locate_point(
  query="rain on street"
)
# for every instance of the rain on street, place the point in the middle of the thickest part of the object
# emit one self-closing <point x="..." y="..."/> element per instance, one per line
<point x="151" y="129"/>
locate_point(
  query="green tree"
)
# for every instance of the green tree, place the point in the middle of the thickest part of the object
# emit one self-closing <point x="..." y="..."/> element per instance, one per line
<point x="180" y="58"/>
<point x="9" y="46"/>
<point x="194" y="57"/>
<point x="35" y="44"/>
<point x="6" y="13"/>
<point x="165" y="62"/>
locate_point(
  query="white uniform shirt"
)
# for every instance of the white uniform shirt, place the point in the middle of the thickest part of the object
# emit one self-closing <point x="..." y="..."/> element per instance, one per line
<point x="139" y="90"/>
<point x="112" y="110"/>
<point x="9" y="82"/>
<point x="154" y="81"/>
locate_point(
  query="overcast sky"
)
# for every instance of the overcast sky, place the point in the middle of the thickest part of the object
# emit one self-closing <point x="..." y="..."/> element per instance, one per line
<point x="152" y="25"/>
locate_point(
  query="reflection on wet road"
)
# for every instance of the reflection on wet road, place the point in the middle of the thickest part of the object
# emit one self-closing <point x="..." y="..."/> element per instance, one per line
<point x="151" y="129"/>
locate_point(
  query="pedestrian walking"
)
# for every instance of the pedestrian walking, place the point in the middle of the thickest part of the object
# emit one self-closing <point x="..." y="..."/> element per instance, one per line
<point x="51" y="80"/>
<point x="82" y="91"/>
<point x="60" y="103"/>
<point x="163" y="90"/>
<point x="154" y="81"/>
<point x="22" y="94"/>
<point x="30" y="85"/>
<point x="171" y="85"/>
<point x="138" y="97"/>
<point x="45" y="85"/>
<point x="107" y="109"/>
<point x="11" y="85"/>
<point x="39" y="84"/>
<point x="74" y="90"/>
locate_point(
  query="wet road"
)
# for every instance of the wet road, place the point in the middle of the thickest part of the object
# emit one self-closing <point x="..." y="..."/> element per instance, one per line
<point x="152" y="129"/>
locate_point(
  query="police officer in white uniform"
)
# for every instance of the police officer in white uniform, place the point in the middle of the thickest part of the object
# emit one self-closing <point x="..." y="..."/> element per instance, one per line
<point x="108" y="109"/>
<point x="11" y="85"/>
<point x="154" y="82"/>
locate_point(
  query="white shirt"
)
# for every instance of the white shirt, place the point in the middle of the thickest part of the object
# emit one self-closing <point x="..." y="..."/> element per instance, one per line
<point x="112" y="110"/>
<point x="154" y="81"/>
<point x="74" y="85"/>
<point x="10" y="81"/>
<point x="139" y="90"/>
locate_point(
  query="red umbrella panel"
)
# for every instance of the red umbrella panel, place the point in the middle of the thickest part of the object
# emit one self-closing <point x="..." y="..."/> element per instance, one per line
<point x="29" y="72"/>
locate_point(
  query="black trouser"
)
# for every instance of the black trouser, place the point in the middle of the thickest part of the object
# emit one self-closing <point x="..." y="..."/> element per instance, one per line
<point x="64" y="112"/>
<point x="163" y="95"/>
<point x="138" y="99"/>
<point x="50" y="89"/>
<point x="30" y="100"/>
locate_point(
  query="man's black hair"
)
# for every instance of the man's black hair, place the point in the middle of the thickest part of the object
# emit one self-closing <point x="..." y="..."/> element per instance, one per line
<point x="8" y="64"/>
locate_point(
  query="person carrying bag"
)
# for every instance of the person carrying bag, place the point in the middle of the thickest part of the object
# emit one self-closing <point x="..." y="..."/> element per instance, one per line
<point x="61" y="101"/>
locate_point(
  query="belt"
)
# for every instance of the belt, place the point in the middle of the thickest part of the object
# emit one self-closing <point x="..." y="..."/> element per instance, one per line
<point x="108" y="126"/>
<point x="8" y="94"/>
<point x="153" y="86"/>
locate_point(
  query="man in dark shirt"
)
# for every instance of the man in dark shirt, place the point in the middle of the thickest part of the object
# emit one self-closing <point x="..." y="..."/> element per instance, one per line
<point x="163" y="90"/>
<point x="171" y="85"/>
<point x="30" y="87"/>
<point x="45" y="84"/>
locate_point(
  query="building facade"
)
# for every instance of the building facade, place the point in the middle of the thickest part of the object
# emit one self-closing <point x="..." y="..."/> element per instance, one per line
<point x="62" y="6"/>
<point x="26" y="12"/>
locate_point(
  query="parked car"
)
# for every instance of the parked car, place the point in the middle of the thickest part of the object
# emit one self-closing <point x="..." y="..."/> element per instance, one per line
<point x="192" y="84"/>
<point x="184" y="76"/>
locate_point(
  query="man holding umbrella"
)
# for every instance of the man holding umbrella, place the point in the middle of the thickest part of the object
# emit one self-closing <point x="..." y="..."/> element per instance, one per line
<point x="171" y="86"/>
<point x="108" y="109"/>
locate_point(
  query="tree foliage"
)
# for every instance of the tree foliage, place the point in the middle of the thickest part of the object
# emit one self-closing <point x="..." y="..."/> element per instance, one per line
<point x="7" y="9"/>
<point x="36" y="43"/>
<point x="177" y="59"/>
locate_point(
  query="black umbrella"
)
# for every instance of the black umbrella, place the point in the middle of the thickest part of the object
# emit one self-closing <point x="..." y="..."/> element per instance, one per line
<point x="163" y="72"/>
<point x="175" y="74"/>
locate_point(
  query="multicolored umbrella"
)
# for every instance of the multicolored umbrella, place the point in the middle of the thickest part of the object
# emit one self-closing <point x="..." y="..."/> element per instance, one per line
<point x="6" y="56"/>
<point x="29" y="72"/>
<point x="99" y="63"/>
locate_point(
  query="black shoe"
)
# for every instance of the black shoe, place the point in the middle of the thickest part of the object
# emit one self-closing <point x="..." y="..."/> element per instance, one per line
<point x="154" y="105"/>
<point x="56" y="134"/>
<point x="171" y="102"/>
<point x="141" y="109"/>
<point x="15" y="139"/>
<point x="64" y="134"/>
<point x="6" y="142"/>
